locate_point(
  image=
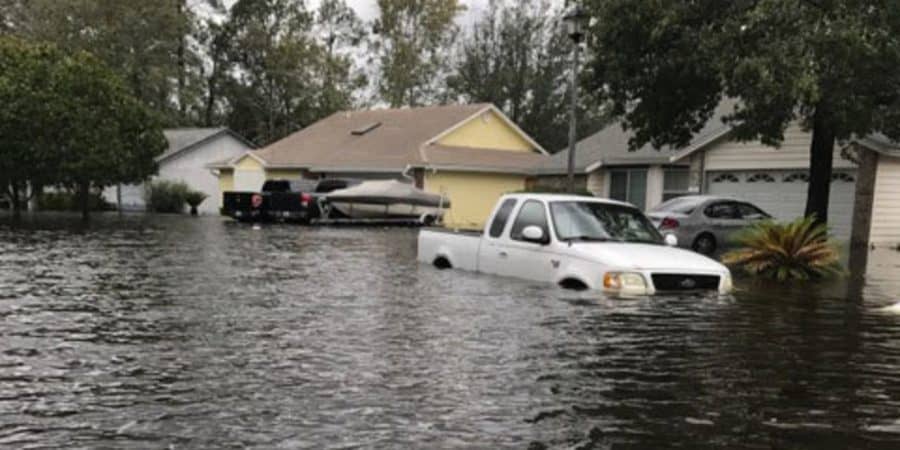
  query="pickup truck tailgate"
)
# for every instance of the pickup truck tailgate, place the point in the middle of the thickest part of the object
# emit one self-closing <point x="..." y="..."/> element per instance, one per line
<point x="459" y="248"/>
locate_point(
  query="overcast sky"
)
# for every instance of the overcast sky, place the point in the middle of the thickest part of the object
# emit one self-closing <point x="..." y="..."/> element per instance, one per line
<point x="367" y="9"/>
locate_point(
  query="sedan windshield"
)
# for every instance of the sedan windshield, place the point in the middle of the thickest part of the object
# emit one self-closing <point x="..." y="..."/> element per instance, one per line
<point x="596" y="221"/>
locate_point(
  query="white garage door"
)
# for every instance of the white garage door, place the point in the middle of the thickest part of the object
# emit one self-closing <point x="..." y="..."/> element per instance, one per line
<point x="249" y="180"/>
<point x="783" y="194"/>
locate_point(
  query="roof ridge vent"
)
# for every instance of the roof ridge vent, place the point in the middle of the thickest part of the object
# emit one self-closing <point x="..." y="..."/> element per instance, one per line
<point x="365" y="129"/>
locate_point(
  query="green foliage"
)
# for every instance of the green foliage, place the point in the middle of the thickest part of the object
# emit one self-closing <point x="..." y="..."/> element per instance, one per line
<point x="799" y="250"/>
<point x="194" y="198"/>
<point x="665" y="66"/>
<point x="517" y="58"/>
<point x="69" y="201"/>
<point x="167" y="197"/>
<point x="414" y="36"/>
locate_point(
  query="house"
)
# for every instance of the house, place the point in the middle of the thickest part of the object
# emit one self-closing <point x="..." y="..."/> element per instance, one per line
<point x="190" y="151"/>
<point x="877" y="214"/>
<point x="776" y="179"/>
<point x="470" y="153"/>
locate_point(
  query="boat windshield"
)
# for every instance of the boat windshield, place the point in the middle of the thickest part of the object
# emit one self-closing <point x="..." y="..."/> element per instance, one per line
<point x="601" y="222"/>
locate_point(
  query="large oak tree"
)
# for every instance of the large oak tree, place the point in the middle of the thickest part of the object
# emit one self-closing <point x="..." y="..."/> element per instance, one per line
<point x="831" y="65"/>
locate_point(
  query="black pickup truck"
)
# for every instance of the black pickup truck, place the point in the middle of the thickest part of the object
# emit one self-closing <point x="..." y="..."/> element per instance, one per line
<point x="282" y="200"/>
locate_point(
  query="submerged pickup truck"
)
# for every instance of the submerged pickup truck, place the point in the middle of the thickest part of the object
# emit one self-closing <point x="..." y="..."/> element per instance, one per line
<point x="578" y="243"/>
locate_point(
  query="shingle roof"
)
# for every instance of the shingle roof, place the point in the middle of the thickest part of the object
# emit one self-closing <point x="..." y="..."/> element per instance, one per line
<point x="881" y="144"/>
<point x="609" y="146"/>
<point x="390" y="139"/>
<point x="182" y="138"/>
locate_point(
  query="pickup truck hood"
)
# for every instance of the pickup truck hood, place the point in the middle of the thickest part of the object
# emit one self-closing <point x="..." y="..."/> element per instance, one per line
<point x="628" y="256"/>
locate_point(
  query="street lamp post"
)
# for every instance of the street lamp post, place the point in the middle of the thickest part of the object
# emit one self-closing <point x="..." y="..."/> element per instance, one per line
<point x="576" y="22"/>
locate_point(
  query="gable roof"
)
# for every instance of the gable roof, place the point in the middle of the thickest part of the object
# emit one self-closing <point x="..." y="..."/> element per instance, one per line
<point x="384" y="139"/>
<point x="183" y="139"/>
<point x="880" y="143"/>
<point x="609" y="147"/>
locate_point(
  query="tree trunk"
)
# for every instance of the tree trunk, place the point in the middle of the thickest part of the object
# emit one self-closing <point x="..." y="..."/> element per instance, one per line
<point x="15" y="200"/>
<point x="84" y="197"/>
<point x="821" y="155"/>
<point x="862" y="212"/>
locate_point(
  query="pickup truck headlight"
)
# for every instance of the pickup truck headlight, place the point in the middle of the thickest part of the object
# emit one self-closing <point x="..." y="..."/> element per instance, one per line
<point x="727" y="284"/>
<point x="625" y="282"/>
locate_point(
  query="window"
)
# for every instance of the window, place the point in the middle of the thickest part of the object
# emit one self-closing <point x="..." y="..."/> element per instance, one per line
<point x="676" y="183"/>
<point x="750" y="212"/>
<point x="721" y="211"/>
<point x="760" y="178"/>
<point x="796" y="177"/>
<point x="499" y="222"/>
<point x="531" y="213"/>
<point x="726" y="178"/>
<point x="629" y="186"/>
<point x="598" y="222"/>
<point x="682" y="205"/>
<point x="842" y="177"/>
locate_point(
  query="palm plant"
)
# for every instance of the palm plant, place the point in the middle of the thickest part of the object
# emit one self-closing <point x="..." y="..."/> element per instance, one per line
<point x="194" y="199"/>
<point x="798" y="250"/>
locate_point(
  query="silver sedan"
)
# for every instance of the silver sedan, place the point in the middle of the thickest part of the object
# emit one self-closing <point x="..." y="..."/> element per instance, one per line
<point x="704" y="223"/>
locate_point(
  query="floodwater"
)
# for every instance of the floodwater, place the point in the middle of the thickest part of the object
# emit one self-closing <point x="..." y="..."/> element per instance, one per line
<point x="179" y="332"/>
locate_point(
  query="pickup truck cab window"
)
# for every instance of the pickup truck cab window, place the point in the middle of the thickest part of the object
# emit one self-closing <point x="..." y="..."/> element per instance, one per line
<point x="601" y="222"/>
<point x="502" y="217"/>
<point x="531" y="213"/>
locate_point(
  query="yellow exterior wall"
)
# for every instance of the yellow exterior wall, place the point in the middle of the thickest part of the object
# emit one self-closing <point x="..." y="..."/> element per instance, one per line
<point x="248" y="163"/>
<point x="226" y="180"/>
<point x="472" y="195"/>
<point x="487" y="130"/>
<point x="284" y="174"/>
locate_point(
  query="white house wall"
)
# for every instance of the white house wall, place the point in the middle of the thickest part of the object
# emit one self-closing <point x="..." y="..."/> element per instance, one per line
<point x="655" y="180"/>
<point x="793" y="154"/>
<point x="190" y="167"/>
<point x="886" y="203"/>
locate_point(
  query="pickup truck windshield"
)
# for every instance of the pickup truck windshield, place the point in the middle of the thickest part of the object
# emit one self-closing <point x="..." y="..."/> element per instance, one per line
<point x="600" y="222"/>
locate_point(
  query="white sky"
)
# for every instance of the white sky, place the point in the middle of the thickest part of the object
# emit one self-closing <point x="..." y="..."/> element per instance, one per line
<point x="367" y="9"/>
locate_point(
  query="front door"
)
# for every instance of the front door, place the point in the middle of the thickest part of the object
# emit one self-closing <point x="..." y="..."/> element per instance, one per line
<point x="524" y="259"/>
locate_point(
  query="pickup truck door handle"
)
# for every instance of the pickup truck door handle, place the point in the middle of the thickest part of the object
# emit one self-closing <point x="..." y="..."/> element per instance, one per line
<point x="503" y="254"/>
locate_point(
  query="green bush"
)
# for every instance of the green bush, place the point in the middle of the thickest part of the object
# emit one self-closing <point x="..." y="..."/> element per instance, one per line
<point x="167" y="197"/>
<point x="798" y="250"/>
<point x="69" y="201"/>
<point x="194" y="199"/>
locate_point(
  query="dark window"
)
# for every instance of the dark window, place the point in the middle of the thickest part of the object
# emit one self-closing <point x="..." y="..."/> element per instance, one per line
<point x="797" y="177"/>
<point x="843" y="177"/>
<point x="721" y="211"/>
<point x="499" y="222"/>
<point x="726" y="178"/>
<point x="531" y="213"/>
<point x="761" y="178"/>
<point x="629" y="186"/>
<point x="750" y="212"/>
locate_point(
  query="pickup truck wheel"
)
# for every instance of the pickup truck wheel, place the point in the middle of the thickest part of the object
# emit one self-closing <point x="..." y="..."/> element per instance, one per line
<point x="572" y="284"/>
<point x="442" y="263"/>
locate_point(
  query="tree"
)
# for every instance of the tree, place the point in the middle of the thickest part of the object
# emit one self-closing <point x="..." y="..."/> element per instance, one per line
<point x="28" y="111"/>
<point x="282" y="79"/>
<point x="105" y="135"/>
<point x="517" y="57"/>
<point x="414" y="36"/>
<point x="147" y="43"/>
<point x="829" y="65"/>
<point x="340" y="33"/>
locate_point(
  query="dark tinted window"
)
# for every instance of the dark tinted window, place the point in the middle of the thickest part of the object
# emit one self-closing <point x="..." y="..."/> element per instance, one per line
<point x="276" y="186"/>
<point x="531" y="213"/>
<point x="721" y="211"/>
<point x="502" y="217"/>
<point x="751" y="212"/>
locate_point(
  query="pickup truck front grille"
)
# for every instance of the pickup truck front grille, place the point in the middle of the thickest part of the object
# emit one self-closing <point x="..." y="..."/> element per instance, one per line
<point x="685" y="282"/>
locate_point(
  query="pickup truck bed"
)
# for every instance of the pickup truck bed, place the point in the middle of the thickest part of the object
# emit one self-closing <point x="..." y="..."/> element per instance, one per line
<point x="440" y="246"/>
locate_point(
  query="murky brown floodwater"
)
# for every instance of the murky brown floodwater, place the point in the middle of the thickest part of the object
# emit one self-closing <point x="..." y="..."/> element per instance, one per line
<point x="173" y="332"/>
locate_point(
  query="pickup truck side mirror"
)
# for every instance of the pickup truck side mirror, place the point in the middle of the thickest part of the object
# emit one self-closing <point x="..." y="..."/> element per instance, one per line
<point x="534" y="233"/>
<point x="671" y="240"/>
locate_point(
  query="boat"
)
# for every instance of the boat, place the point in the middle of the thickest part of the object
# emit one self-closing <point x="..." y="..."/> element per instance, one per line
<point x="386" y="200"/>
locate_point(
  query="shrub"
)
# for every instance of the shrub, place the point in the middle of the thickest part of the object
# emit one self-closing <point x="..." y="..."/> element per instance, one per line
<point x="194" y="199"/>
<point x="167" y="196"/>
<point x="69" y="201"/>
<point x="798" y="250"/>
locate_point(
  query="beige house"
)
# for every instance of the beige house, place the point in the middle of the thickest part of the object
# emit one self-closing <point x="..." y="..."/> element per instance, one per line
<point x="470" y="153"/>
<point x="776" y="179"/>
<point x="877" y="214"/>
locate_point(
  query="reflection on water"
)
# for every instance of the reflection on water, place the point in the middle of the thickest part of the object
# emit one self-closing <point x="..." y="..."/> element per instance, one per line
<point x="156" y="332"/>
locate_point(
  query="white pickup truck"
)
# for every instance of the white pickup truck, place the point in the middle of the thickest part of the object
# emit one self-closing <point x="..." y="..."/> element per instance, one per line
<point x="578" y="243"/>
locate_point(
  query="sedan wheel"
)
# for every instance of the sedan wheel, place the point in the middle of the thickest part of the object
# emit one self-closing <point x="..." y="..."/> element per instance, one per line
<point x="705" y="245"/>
